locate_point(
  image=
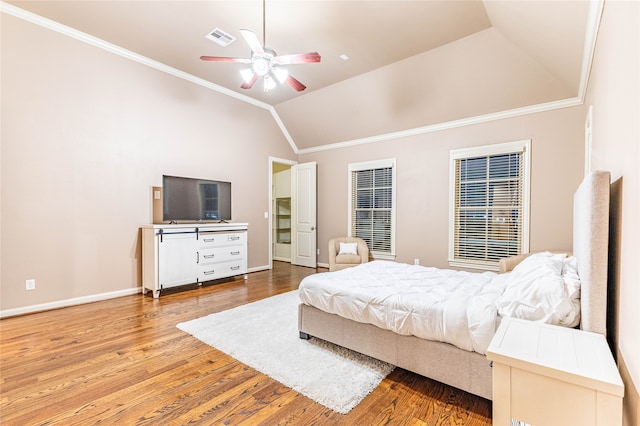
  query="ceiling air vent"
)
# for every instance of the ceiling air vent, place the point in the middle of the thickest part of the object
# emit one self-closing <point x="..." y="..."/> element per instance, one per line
<point x="220" y="37"/>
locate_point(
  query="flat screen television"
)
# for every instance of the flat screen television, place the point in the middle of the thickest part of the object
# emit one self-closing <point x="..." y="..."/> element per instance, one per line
<point x="195" y="200"/>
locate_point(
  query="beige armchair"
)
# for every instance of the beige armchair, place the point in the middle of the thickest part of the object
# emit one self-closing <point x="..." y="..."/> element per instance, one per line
<point x="339" y="261"/>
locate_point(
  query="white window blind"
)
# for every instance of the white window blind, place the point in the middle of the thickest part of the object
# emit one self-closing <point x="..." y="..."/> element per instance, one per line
<point x="489" y="204"/>
<point x="372" y="205"/>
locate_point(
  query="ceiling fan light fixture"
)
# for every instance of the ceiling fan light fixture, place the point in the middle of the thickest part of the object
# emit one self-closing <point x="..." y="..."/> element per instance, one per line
<point x="269" y="83"/>
<point x="247" y="75"/>
<point x="260" y="66"/>
<point x="281" y="74"/>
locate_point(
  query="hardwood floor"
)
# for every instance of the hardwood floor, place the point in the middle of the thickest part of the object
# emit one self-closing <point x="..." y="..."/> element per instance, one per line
<point x="123" y="361"/>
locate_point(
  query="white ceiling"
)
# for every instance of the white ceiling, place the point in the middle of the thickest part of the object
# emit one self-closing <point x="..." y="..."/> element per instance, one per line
<point x="374" y="34"/>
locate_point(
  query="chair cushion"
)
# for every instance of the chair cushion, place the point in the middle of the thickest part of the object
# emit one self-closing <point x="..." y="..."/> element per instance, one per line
<point x="351" y="259"/>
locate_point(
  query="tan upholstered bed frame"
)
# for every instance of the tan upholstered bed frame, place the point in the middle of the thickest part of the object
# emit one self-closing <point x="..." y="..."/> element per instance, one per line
<point x="471" y="371"/>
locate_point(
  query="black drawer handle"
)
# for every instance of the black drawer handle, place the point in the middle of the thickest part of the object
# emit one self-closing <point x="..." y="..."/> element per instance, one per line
<point x="209" y="240"/>
<point x="209" y="272"/>
<point x="209" y="256"/>
<point x="235" y="253"/>
<point x="235" y="268"/>
<point x="234" y="237"/>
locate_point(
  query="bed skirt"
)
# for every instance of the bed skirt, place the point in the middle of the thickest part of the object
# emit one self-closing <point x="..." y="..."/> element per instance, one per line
<point x="445" y="363"/>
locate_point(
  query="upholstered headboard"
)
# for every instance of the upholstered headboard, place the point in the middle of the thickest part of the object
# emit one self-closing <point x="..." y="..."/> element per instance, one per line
<point x="591" y="248"/>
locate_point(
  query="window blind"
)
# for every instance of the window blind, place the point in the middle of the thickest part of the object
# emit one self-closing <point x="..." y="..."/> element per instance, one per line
<point x="489" y="207"/>
<point x="372" y="207"/>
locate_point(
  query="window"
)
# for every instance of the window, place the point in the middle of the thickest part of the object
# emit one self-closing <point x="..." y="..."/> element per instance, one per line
<point x="372" y="207"/>
<point x="489" y="204"/>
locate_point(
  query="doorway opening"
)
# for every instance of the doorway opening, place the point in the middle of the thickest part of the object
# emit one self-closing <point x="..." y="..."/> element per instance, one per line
<point x="281" y="211"/>
<point x="292" y="212"/>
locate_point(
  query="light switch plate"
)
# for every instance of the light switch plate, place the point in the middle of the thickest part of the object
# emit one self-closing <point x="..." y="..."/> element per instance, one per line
<point x="30" y="284"/>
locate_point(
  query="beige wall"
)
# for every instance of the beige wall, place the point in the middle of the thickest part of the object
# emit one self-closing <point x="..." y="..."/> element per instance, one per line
<point x="85" y="135"/>
<point x="557" y="157"/>
<point x="614" y="92"/>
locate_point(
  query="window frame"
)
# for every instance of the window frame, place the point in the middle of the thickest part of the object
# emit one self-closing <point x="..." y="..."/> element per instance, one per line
<point x="372" y="165"/>
<point x="522" y="147"/>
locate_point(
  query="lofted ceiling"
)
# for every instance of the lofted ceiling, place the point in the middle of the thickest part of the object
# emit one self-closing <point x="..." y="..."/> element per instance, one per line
<point x="386" y="43"/>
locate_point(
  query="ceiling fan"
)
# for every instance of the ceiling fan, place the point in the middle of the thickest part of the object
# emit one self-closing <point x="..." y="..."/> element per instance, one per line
<point x="266" y="63"/>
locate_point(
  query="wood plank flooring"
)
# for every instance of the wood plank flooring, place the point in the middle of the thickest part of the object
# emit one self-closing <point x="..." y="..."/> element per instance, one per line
<point x="124" y="362"/>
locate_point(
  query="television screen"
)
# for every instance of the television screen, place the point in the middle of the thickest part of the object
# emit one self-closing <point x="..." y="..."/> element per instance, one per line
<point x="189" y="199"/>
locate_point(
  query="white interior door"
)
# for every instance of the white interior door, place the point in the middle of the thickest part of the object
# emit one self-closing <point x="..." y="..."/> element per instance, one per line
<point x="303" y="206"/>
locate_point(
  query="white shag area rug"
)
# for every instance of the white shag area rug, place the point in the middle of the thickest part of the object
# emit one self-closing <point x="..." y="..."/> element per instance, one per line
<point x="264" y="335"/>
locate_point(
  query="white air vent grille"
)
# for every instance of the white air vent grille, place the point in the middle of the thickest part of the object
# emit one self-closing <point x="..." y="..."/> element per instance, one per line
<point x="220" y="37"/>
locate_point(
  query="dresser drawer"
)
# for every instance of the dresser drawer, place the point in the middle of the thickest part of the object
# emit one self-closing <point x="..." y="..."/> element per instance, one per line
<point x="220" y="254"/>
<point x="220" y="270"/>
<point x="220" y="239"/>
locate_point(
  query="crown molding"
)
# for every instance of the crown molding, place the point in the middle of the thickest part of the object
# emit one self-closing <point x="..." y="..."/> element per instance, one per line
<point x="532" y="109"/>
<point x="110" y="47"/>
<point x="593" y="23"/>
<point x="284" y="130"/>
<point x="594" y="17"/>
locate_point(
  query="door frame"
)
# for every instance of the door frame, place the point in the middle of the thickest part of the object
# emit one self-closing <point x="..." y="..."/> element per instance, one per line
<point x="272" y="161"/>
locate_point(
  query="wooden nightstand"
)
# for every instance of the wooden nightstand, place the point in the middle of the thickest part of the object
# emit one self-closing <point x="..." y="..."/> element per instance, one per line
<point x="550" y="375"/>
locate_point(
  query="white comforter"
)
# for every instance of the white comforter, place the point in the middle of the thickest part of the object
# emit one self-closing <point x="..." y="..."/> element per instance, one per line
<point x="437" y="304"/>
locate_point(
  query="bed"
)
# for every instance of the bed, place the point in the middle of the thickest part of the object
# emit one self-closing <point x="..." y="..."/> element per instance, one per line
<point x="463" y="367"/>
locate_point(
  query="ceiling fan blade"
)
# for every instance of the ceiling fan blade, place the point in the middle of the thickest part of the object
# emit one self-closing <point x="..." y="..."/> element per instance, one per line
<point x="250" y="84"/>
<point x="253" y="42"/>
<point x="295" y="83"/>
<point x="225" y="59"/>
<point x="297" y="58"/>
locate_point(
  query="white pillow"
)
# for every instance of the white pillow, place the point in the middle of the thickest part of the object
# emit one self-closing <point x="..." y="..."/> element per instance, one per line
<point x="535" y="291"/>
<point x="551" y="262"/>
<point x="348" y="248"/>
<point x="572" y="288"/>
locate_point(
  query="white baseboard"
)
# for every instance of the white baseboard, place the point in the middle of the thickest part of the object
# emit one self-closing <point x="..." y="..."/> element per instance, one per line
<point x="258" y="268"/>
<point x="88" y="299"/>
<point x="265" y="267"/>
<point x="68" y="302"/>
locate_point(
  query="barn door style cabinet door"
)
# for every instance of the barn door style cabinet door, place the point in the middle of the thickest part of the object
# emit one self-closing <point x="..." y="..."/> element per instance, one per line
<point x="175" y="255"/>
<point x="177" y="259"/>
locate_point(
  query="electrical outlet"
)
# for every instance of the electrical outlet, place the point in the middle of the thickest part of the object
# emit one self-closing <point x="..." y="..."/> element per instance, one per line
<point x="30" y="284"/>
<point x="416" y="261"/>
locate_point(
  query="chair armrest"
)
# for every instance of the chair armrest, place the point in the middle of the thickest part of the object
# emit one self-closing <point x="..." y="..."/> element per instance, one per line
<point x="508" y="263"/>
<point x="363" y="251"/>
<point x="333" y="252"/>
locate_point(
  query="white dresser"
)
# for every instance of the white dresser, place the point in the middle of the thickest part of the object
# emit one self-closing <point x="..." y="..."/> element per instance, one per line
<point x="550" y="375"/>
<point x="175" y="255"/>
